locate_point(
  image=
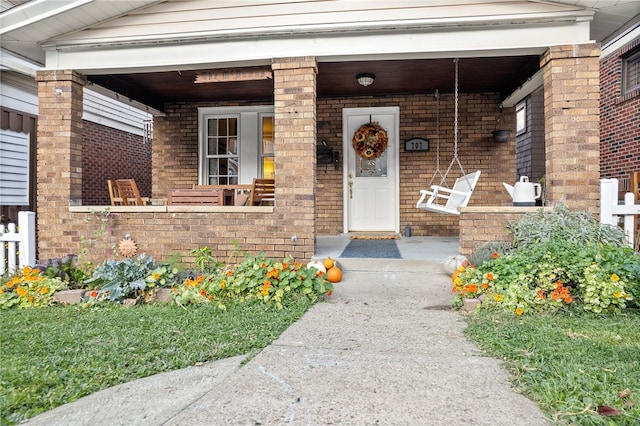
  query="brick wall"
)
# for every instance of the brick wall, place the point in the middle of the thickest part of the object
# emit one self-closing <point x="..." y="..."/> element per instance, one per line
<point x="572" y="115"/>
<point x="620" y="120"/>
<point x="418" y="117"/>
<point x="109" y="153"/>
<point x="482" y="224"/>
<point x="59" y="161"/>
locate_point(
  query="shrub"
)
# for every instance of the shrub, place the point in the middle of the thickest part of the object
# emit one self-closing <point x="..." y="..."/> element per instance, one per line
<point x="561" y="224"/>
<point x="560" y="259"/>
<point x="489" y="250"/>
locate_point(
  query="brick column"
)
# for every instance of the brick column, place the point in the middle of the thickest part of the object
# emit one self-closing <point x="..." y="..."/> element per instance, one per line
<point x="59" y="160"/>
<point x="294" y="81"/>
<point x="572" y="118"/>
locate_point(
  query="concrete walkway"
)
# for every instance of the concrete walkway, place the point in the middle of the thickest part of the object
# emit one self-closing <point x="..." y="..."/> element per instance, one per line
<point x="384" y="350"/>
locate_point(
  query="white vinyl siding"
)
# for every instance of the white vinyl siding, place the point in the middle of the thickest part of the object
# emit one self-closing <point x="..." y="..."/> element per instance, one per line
<point x="14" y="168"/>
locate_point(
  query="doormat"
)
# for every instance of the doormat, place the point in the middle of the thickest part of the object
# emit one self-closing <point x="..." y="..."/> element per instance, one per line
<point x="375" y="237"/>
<point x="372" y="249"/>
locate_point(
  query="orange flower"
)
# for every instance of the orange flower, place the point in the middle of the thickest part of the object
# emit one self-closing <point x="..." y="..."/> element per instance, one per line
<point x="484" y="286"/>
<point x="319" y="274"/>
<point x="156" y="276"/>
<point x="229" y="273"/>
<point x="495" y="255"/>
<point x="489" y="276"/>
<point x="44" y="290"/>
<point x="519" y="311"/>
<point x="20" y="291"/>
<point x="329" y="293"/>
<point x="568" y="299"/>
<point x="285" y="266"/>
<point x="470" y="288"/>
<point x="541" y="294"/>
<point x="203" y="293"/>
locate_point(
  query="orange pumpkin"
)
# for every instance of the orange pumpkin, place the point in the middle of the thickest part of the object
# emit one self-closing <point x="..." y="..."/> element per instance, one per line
<point x="329" y="263"/>
<point x="334" y="275"/>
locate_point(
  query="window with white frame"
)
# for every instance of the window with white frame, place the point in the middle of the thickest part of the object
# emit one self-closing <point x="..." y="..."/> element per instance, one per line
<point x="631" y="73"/>
<point x="235" y="144"/>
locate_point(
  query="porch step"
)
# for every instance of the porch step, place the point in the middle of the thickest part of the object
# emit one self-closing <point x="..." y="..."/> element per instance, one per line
<point x="390" y="265"/>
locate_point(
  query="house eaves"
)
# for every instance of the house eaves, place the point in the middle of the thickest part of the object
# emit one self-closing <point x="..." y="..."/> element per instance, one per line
<point x="164" y="37"/>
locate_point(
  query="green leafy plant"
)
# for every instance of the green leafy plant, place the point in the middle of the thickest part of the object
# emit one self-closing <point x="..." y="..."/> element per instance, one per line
<point x="29" y="288"/>
<point x="557" y="274"/>
<point x="256" y="278"/>
<point x="489" y="250"/>
<point x="562" y="224"/>
<point x="97" y="241"/>
<point x="121" y="279"/>
<point x="560" y="260"/>
<point x="66" y="268"/>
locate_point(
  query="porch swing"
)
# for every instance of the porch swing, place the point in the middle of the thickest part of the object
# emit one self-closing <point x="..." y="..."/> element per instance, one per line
<point x="442" y="199"/>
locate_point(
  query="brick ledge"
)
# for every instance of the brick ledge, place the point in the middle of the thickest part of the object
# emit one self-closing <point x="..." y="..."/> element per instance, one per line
<point x="173" y="209"/>
<point x="502" y="209"/>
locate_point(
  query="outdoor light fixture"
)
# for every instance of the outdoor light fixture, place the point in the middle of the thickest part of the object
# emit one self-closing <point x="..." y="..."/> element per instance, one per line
<point x="365" y="79"/>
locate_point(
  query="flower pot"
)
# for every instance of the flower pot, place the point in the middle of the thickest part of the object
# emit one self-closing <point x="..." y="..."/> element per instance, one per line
<point x="501" y="135"/>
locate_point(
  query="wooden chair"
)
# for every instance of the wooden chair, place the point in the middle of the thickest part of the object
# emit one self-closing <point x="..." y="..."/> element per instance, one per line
<point x="114" y="195"/>
<point x="196" y="197"/>
<point x="456" y="197"/>
<point x="129" y="193"/>
<point x="263" y="191"/>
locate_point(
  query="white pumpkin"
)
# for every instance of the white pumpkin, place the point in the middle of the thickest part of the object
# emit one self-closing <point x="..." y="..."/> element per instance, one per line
<point x="452" y="263"/>
<point x="318" y="265"/>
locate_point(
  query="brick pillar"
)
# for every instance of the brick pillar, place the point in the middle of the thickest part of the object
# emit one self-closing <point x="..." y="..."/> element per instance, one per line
<point x="572" y="117"/>
<point x="294" y="81"/>
<point x="59" y="160"/>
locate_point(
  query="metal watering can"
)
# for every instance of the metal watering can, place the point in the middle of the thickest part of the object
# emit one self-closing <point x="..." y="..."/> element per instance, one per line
<point x="524" y="193"/>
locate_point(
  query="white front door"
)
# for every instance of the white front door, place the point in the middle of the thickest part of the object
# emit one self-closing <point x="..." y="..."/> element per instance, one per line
<point x="371" y="181"/>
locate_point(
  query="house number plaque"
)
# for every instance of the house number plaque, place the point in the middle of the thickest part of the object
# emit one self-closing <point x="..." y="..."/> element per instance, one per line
<point x="416" y="145"/>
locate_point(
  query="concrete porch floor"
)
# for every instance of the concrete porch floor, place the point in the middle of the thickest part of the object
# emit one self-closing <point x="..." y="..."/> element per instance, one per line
<point x="411" y="248"/>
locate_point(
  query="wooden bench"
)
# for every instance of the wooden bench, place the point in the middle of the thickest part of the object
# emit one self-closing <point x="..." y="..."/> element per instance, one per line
<point x="233" y="195"/>
<point x="196" y="197"/>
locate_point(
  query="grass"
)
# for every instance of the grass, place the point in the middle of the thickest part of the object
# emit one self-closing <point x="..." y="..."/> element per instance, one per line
<point x="56" y="355"/>
<point x="568" y="364"/>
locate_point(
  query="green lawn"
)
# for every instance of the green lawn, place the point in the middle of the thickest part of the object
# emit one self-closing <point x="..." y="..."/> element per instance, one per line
<point x="52" y="356"/>
<point x="569" y="364"/>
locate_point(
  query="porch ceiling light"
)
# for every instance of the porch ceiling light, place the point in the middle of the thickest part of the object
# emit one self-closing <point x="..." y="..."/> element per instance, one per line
<point x="365" y="79"/>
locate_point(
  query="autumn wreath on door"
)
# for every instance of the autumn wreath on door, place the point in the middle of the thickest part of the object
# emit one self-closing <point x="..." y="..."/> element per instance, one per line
<point x="370" y="141"/>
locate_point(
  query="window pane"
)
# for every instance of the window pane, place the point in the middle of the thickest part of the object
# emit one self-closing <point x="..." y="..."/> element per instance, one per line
<point x="376" y="167"/>
<point x="631" y="73"/>
<point x="268" y="168"/>
<point x="212" y="127"/>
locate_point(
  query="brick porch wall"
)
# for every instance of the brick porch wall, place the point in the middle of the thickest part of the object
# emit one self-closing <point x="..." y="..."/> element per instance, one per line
<point x="572" y="115"/>
<point x="59" y="161"/>
<point x="482" y="224"/>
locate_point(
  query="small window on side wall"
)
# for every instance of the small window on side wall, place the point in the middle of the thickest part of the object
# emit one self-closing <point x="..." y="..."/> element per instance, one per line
<point x="521" y="118"/>
<point x="631" y="72"/>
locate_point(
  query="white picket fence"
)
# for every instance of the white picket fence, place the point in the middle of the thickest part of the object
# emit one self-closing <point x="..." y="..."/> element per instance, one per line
<point x="18" y="244"/>
<point x="610" y="209"/>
